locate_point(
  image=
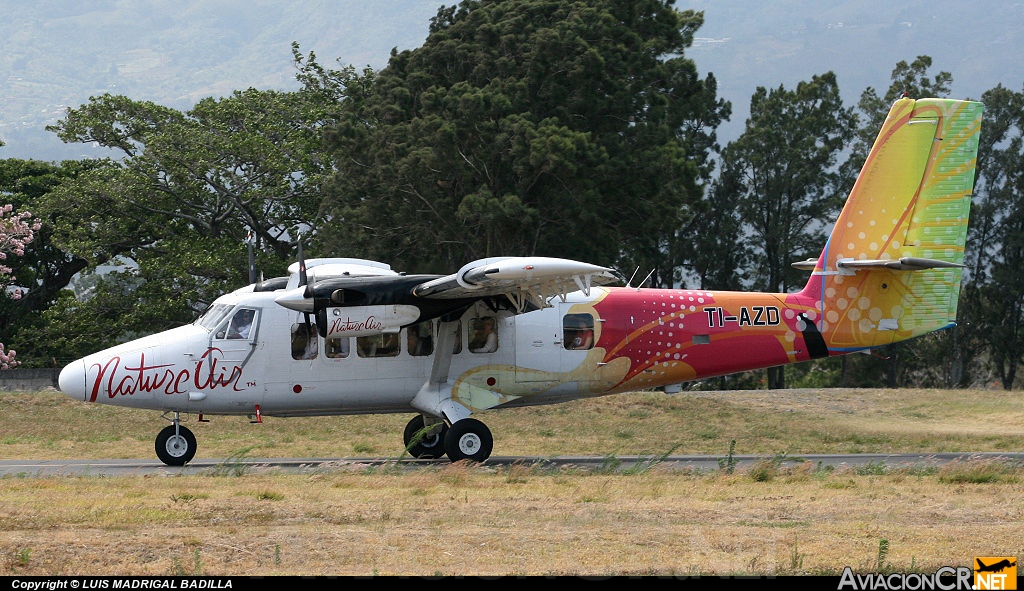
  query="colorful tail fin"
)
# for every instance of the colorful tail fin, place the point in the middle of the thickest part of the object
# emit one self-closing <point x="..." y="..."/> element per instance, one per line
<point x="891" y="269"/>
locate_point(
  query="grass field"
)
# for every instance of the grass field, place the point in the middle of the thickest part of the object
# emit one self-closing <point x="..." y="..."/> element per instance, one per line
<point x="525" y="520"/>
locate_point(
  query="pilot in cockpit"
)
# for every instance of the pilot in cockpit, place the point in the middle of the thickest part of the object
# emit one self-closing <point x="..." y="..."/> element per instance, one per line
<point x="241" y="324"/>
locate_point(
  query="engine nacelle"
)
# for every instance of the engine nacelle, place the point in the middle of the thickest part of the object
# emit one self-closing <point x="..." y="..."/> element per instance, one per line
<point x="360" y="321"/>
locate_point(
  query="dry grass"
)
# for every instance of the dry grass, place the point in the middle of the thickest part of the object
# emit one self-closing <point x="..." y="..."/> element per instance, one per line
<point x="524" y="520"/>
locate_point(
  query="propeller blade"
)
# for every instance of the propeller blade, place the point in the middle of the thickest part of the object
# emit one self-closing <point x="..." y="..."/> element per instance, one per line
<point x="252" y="258"/>
<point x="303" y="279"/>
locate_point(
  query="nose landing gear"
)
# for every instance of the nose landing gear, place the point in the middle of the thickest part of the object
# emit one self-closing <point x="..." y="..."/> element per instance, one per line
<point x="175" y="445"/>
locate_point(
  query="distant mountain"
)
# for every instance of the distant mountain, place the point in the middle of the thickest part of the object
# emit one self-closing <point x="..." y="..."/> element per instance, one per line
<point x="746" y="45"/>
<point x="55" y="54"/>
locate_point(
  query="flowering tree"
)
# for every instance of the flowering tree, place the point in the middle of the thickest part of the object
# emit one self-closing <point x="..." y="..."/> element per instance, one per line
<point x="7" y="360"/>
<point x="16" y="230"/>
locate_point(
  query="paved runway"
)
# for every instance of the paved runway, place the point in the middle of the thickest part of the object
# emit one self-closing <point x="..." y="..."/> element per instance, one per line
<point x="234" y="466"/>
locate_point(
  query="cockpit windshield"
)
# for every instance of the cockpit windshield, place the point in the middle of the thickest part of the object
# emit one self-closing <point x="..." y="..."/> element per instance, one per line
<point x="213" y="316"/>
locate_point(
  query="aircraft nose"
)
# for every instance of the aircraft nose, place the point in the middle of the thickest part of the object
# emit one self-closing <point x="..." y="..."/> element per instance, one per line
<point x="72" y="380"/>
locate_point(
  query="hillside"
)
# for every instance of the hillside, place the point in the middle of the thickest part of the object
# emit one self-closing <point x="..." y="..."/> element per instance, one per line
<point x="55" y="54"/>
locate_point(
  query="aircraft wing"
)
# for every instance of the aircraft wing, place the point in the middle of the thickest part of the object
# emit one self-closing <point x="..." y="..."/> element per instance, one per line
<point x="525" y="280"/>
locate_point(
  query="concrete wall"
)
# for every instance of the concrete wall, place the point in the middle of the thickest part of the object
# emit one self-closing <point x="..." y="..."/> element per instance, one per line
<point x="28" y="380"/>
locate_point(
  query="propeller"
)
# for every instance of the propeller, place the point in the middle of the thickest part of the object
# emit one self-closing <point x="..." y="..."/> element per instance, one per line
<point x="254" y="277"/>
<point x="303" y="279"/>
<point x="252" y="257"/>
<point x="304" y="282"/>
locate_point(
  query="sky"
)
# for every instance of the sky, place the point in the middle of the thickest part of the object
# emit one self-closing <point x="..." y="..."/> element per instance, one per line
<point x="55" y="54"/>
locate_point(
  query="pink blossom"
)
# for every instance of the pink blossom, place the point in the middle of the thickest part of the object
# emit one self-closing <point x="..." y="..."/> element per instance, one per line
<point x="7" y="360"/>
<point x="16" y="230"/>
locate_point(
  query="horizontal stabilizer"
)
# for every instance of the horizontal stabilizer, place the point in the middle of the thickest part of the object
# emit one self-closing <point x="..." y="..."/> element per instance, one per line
<point x="900" y="264"/>
<point x="807" y="265"/>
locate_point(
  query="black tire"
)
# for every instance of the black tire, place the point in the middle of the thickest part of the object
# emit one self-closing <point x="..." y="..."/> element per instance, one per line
<point x="429" y="447"/>
<point x="175" y="449"/>
<point x="468" y="439"/>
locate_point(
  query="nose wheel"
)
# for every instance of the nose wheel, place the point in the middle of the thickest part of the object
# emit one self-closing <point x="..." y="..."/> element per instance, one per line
<point x="175" y="445"/>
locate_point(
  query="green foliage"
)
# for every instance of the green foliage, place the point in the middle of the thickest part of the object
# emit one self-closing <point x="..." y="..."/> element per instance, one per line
<point x="728" y="464"/>
<point x="996" y="236"/>
<point x="881" y="565"/>
<point x="910" y="78"/>
<point x="180" y="569"/>
<point x="784" y="169"/>
<point x="178" y="206"/>
<point x="45" y="269"/>
<point x="572" y="129"/>
<point x="871" y="469"/>
<point x="765" y="469"/>
<point x="978" y="472"/>
<point x="234" y="465"/>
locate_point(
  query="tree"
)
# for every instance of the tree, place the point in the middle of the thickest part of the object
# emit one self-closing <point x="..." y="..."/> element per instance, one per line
<point x="17" y="230"/>
<point x="910" y="79"/>
<point x="717" y="256"/>
<point x="573" y="129"/>
<point x="997" y="234"/>
<point x="44" y="269"/>
<point x="783" y="170"/>
<point x="185" y="194"/>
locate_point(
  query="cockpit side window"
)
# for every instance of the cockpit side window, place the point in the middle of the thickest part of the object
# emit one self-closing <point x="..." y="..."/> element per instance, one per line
<point x="241" y="324"/>
<point x="240" y="327"/>
<point x="213" y="316"/>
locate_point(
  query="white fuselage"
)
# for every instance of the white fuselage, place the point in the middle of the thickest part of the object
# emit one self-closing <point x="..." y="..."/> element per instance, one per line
<point x="199" y="369"/>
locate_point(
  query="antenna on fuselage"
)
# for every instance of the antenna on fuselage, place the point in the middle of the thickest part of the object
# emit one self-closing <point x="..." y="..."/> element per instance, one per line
<point x="645" y="279"/>
<point x="304" y="282"/>
<point x="629" y="283"/>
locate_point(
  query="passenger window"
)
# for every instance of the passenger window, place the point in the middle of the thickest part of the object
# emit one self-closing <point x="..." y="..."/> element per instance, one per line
<point x="336" y="347"/>
<point x="420" y="338"/>
<point x="484" y="335"/>
<point x="378" y="345"/>
<point x="304" y="342"/>
<point x="578" y="331"/>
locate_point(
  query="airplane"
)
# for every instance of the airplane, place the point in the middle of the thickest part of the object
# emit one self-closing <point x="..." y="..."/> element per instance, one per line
<point x="995" y="567"/>
<point x="340" y="336"/>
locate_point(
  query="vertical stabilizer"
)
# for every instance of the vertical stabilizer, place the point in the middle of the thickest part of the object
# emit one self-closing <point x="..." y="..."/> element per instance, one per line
<point x="891" y="269"/>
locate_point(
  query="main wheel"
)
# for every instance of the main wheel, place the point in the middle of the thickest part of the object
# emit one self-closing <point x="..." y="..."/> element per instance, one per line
<point x="468" y="439"/>
<point x="175" y="448"/>
<point x="429" y="446"/>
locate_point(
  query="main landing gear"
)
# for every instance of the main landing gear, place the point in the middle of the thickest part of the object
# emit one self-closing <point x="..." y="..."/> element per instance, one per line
<point x="468" y="439"/>
<point x="175" y="445"/>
